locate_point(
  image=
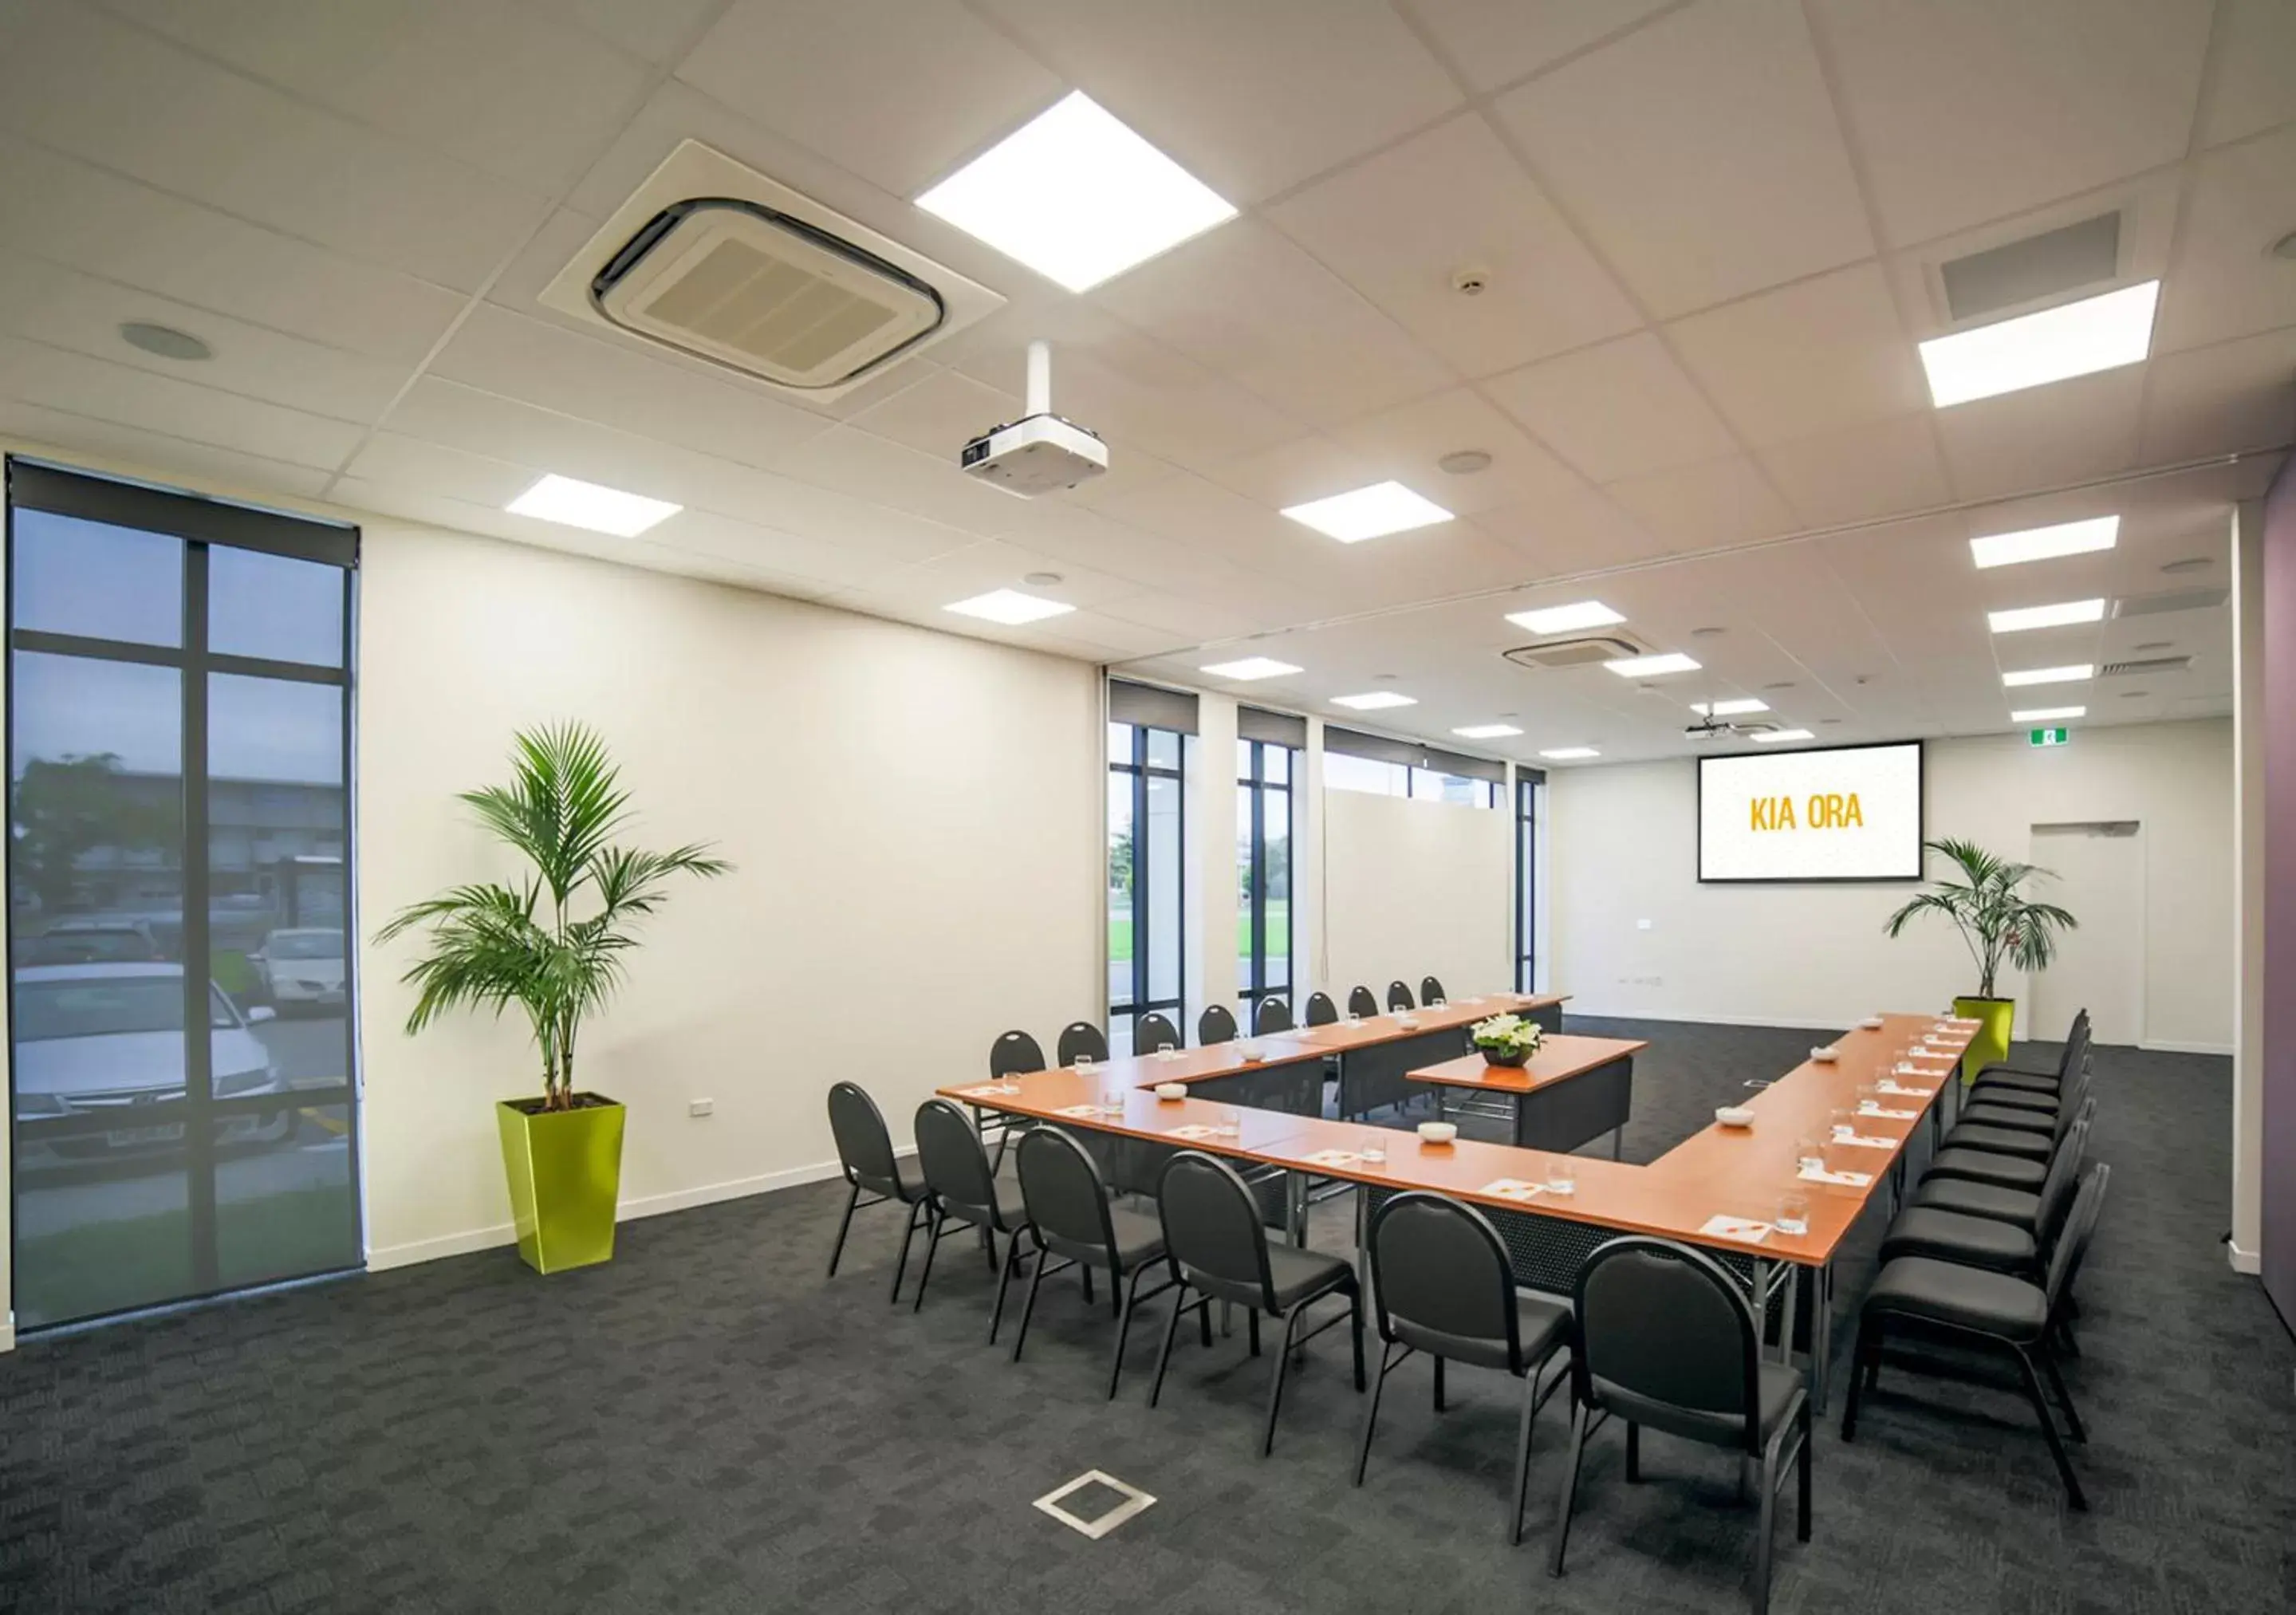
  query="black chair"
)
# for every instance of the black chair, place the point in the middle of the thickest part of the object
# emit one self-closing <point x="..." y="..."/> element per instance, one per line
<point x="1398" y="995"/>
<point x="1218" y="1250"/>
<point x="2019" y="1207"/>
<point x="1918" y="1297"/>
<point x="1152" y="1032"/>
<point x="1441" y="1284"/>
<point x="965" y="1193"/>
<point x="2016" y="1108"/>
<point x="2069" y="1057"/>
<point x="1321" y="1010"/>
<point x="1431" y="991"/>
<point x="864" y="1154"/>
<point x="1082" y="1037"/>
<point x="1270" y="1015"/>
<point x="1014" y="1053"/>
<point x="2001" y="1244"/>
<point x="2002" y="1168"/>
<point x="1069" y="1217"/>
<point x="1662" y="1335"/>
<point x="1215" y="1025"/>
<point x="1997" y="1130"/>
<point x="1360" y="1002"/>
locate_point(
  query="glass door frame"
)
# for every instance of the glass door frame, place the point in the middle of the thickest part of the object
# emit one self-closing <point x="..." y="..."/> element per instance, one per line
<point x="1139" y="772"/>
<point x="1252" y="780"/>
<point x="200" y="523"/>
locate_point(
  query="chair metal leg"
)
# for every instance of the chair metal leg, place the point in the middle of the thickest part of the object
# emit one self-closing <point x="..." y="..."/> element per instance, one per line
<point x="1802" y="1463"/>
<point x="917" y="1213"/>
<point x="844" y="1223"/>
<point x="1766" y="1533"/>
<point x="1569" y="1486"/>
<point x="2073" y="1425"/>
<point x="1085" y="1270"/>
<point x="1438" y="1384"/>
<point x="1004" y="1278"/>
<point x="1634" y="1453"/>
<point x="924" y="1273"/>
<point x="1123" y="1323"/>
<point x="1117" y="1302"/>
<point x="1204" y="1319"/>
<point x="989" y="1245"/>
<point x="1027" y="1301"/>
<point x="1521" y="1494"/>
<point x="1276" y="1385"/>
<point x="2073" y="1493"/>
<point x="1386" y="1360"/>
<point x="1355" y="1328"/>
<point x="1171" y="1328"/>
<point x="1254" y="1317"/>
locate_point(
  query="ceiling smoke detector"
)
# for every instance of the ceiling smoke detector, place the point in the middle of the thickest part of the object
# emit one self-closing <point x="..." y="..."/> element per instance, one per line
<point x="165" y="342"/>
<point x="1465" y="462"/>
<point x="1470" y="280"/>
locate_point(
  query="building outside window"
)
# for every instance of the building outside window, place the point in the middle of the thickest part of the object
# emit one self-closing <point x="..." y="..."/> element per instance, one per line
<point x="1263" y="857"/>
<point x="1146" y="860"/>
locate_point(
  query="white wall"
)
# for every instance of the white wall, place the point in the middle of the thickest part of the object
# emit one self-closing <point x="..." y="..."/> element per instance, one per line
<point x="916" y="818"/>
<point x="1415" y="888"/>
<point x="1623" y="850"/>
<point x="2246" y="1248"/>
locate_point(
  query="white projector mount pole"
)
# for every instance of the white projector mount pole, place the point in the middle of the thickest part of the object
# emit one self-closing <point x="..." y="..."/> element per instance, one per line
<point x="1040" y="379"/>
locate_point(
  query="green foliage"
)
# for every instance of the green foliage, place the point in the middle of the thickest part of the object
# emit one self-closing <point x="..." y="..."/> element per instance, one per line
<point x="1508" y="1035"/>
<point x="552" y="943"/>
<point x="1997" y="921"/>
<point x="64" y="809"/>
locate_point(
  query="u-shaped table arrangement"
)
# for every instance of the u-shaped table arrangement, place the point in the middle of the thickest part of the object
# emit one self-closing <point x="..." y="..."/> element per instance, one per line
<point x="1260" y="1103"/>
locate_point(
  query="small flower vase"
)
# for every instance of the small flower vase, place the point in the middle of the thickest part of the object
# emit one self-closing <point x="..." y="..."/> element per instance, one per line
<point x="1503" y="1057"/>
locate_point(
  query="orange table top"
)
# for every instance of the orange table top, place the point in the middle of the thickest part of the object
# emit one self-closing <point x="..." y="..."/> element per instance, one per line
<point x="1559" y="1059"/>
<point x="1341" y="1036"/>
<point x="1733" y="1172"/>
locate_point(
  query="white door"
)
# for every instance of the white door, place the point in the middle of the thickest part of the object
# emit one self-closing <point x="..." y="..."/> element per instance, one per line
<point x="2100" y="877"/>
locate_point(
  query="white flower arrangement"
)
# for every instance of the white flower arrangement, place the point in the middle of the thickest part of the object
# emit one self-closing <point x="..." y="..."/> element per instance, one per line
<point x="1511" y="1035"/>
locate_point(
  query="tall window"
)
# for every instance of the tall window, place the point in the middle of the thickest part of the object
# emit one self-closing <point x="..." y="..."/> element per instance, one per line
<point x="179" y="830"/>
<point x="1145" y="860"/>
<point x="1263" y="862"/>
<point x="1529" y="792"/>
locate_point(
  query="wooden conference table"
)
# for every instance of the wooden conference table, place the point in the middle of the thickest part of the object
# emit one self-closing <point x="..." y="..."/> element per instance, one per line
<point x="1721" y="1189"/>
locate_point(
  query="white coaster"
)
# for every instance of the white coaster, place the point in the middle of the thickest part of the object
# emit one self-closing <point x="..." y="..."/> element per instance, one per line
<point x="1135" y="1501"/>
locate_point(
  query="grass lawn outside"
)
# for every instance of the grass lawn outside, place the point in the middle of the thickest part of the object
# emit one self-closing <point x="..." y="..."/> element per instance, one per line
<point x="1279" y="932"/>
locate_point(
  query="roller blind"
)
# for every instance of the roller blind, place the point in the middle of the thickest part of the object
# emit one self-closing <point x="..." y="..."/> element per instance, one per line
<point x="1379" y="749"/>
<point x="33" y="486"/>
<point x="1150" y="707"/>
<point x="1276" y="728"/>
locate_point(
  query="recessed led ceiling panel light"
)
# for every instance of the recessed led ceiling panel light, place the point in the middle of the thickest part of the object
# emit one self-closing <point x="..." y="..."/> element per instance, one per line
<point x="2046" y="715"/>
<point x="2046" y="542"/>
<point x="2073" y="674"/>
<point x="1250" y="669"/>
<point x="2062" y="615"/>
<point x="1010" y="607"/>
<point x="1368" y="512"/>
<point x="2076" y="340"/>
<point x="586" y="505"/>
<point x="1729" y="708"/>
<point x="1487" y="732"/>
<point x="1077" y="196"/>
<point x="1775" y="735"/>
<point x="1650" y="666"/>
<point x="1566" y="618"/>
<point x="1571" y="754"/>
<point x="1375" y="701"/>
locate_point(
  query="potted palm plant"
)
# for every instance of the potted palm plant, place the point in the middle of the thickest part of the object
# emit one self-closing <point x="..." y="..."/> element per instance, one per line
<point x="553" y="943"/>
<point x="1999" y="924"/>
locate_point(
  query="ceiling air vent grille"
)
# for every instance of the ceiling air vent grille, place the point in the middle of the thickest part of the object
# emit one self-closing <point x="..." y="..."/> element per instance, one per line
<point x="749" y="287"/>
<point x="1589" y="650"/>
<point x="2178" y="599"/>
<point x="2052" y="263"/>
<point x="2144" y="664"/>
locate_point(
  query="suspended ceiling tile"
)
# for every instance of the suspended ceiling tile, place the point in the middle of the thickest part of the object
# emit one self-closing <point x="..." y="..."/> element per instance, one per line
<point x="1883" y="468"/>
<point x="2235" y="395"/>
<point x="2224" y="282"/>
<point x="1616" y="410"/>
<point x="1493" y="42"/>
<point x="1695" y="507"/>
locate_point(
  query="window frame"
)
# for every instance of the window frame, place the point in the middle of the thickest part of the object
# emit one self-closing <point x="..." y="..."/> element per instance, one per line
<point x="1253" y="784"/>
<point x="1138" y="772"/>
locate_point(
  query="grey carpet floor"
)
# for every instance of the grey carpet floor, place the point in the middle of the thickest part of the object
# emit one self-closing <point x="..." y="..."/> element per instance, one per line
<point x="706" y="1424"/>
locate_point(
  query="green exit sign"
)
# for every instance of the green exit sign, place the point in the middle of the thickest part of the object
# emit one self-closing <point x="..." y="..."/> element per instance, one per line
<point x="2050" y="737"/>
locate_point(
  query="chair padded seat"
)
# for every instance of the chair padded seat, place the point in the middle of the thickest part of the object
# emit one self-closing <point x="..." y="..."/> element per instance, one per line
<point x="1970" y="1298"/>
<point x="1985" y="1167"/>
<point x="1777" y="1388"/>
<point x="2000" y="1141"/>
<point x="1953" y="1236"/>
<point x="2016" y="1099"/>
<point x="2017" y="1073"/>
<point x="1990" y="1115"/>
<point x="2017" y="1206"/>
<point x="1139" y="1240"/>
<point x="1987" y="1089"/>
<point x="1296" y="1273"/>
<point x="1540" y="1324"/>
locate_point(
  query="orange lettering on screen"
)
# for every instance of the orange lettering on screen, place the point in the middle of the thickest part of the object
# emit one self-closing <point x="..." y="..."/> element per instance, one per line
<point x="1824" y="810"/>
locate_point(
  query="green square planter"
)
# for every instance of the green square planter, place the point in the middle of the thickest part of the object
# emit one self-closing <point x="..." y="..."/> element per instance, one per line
<point x="565" y="1171"/>
<point x="1990" y="1046"/>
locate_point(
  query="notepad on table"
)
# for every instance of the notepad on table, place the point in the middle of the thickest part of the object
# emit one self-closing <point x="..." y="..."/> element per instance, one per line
<point x="1743" y="1228"/>
<point x="1870" y="1109"/>
<point x="1078" y="1110"/>
<point x="1812" y="1174"/>
<point x="1334" y="1158"/>
<point x="1844" y="1135"/>
<point x="1512" y="1188"/>
<point x="1194" y="1131"/>
<point x="986" y="1090"/>
<point x="1887" y="1086"/>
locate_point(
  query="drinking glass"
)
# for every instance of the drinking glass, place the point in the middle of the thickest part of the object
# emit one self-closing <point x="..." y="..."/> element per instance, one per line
<point x="1868" y="1096"/>
<point x="1354" y="1019"/>
<point x="1843" y="1122"/>
<point x="1373" y="1150"/>
<point x="1164" y="1051"/>
<point x="1562" y="1176"/>
<point x="1112" y="1100"/>
<point x="1226" y="1124"/>
<point x="1809" y="1154"/>
<point x="1084" y="1065"/>
<point x="1793" y="1212"/>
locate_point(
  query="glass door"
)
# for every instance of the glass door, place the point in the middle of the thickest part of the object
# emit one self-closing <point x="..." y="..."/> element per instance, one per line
<point x="180" y="985"/>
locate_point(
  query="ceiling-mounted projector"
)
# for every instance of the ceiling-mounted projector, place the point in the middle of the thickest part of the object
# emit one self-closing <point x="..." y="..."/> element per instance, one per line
<point x="1708" y="728"/>
<point x="1040" y="452"/>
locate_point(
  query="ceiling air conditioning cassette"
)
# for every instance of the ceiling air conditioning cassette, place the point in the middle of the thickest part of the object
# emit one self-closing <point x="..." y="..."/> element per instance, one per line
<point x="1587" y="651"/>
<point x="722" y="264"/>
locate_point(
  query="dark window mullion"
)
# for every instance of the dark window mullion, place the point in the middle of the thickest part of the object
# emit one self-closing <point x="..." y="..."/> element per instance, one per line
<point x="198" y="953"/>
